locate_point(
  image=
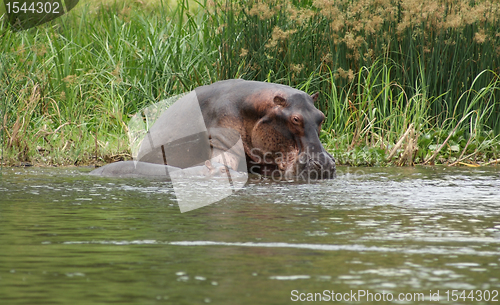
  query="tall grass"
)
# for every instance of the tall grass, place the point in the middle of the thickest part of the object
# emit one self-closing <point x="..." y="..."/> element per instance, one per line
<point x="445" y="43"/>
<point x="71" y="85"/>
<point x="397" y="77"/>
<point x="400" y="80"/>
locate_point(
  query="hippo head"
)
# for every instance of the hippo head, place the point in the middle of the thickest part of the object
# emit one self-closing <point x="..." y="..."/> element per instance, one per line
<point x="286" y="140"/>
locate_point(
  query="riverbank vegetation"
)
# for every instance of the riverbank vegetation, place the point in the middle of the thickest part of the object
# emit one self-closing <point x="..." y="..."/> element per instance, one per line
<point x="401" y="82"/>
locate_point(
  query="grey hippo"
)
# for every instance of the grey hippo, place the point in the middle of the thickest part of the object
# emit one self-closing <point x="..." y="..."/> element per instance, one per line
<point x="262" y="128"/>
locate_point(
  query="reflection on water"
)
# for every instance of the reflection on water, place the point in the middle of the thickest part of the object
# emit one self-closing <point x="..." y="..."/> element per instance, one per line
<point x="66" y="237"/>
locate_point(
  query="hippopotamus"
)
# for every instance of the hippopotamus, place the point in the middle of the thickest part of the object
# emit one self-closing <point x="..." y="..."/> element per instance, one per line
<point x="263" y="128"/>
<point x="133" y="169"/>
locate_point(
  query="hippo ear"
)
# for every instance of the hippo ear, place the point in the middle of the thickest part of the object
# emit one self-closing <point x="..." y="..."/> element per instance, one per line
<point x="280" y="101"/>
<point x="315" y="97"/>
<point x="209" y="165"/>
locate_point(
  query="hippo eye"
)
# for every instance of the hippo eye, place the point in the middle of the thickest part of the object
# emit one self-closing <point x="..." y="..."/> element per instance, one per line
<point x="295" y="119"/>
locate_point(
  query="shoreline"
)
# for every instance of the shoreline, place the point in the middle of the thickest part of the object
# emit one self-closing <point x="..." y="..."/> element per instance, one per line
<point x="107" y="159"/>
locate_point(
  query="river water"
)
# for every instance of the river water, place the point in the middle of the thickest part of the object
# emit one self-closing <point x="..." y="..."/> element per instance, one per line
<point x="70" y="238"/>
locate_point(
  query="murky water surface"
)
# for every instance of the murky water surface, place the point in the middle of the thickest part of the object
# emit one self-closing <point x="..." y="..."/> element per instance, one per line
<point x="70" y="238"/>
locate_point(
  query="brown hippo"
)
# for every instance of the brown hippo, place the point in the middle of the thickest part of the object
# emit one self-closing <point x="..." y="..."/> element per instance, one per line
<point x="259" y="127"/>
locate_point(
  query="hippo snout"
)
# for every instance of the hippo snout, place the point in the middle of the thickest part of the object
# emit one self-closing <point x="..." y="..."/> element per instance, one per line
<point x="316" y="166"/>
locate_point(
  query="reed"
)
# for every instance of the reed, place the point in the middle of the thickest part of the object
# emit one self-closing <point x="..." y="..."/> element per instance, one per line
<point x="399" y="80"/>
<point x="71" y="85"/>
